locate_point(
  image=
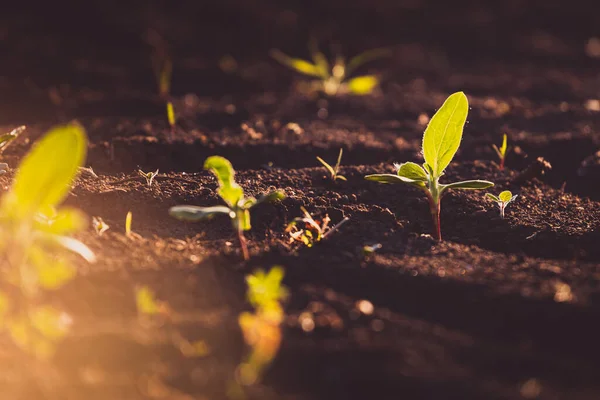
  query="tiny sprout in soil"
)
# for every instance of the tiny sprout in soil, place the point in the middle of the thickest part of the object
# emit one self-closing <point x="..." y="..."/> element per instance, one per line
<point x="334" y="79"/>
<point x="503" y="199"/>
<point x="99" y="225"/>
<point x="502" y="150"/>
<point x="334" y="171"/>
<point x="309" y="231"/>
<point x="149" y="176"/>
<point x="441" y="140"/>
<point x="238" y="206"/>
<point x="8" y="138"/>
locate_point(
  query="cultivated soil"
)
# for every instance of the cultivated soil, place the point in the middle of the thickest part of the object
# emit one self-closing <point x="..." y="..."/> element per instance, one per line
<point x="501" y="309"/>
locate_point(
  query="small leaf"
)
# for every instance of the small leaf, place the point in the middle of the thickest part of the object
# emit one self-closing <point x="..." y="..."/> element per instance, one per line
<point x="45" y="176"/>
<point x="171" y="114"/>
<point x="229" y="190"/>
<point x="492" y="197"/>
<point x="276" y="195"/>
<point x="341" y="178"/>
<point x="146" y="302"/>
<point x="128" y="220"/>
<point x="326" y="165"/>
<point x="362" y="85"/>
<point x="242" y="220"/>
<point x="444" y="133"/>
<point x="468" y="185"/>
<point x="385" y="178"/>
<point x="71" y="244"/>
<point x="505" y="196"/>
<point x="195" y="213"/>
<point x="302" y="66"/>
<point x="412" y="171"/>
<point x="504" y="145"/>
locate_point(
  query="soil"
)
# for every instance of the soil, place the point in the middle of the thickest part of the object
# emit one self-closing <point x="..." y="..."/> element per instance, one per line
<point x="501" y="309"/>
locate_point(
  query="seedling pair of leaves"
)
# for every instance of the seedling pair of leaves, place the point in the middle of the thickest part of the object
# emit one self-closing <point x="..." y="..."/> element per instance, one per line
<point x="308" y="231"/>
<point x="503" y="199"/>
<point x="334" y="171"/>
<point x="441" y="141"/>
<point x="334" y="79"/>
<point x="35" y="240"/>
<point x="237" y="206"/>
<point x="501" y="151"/>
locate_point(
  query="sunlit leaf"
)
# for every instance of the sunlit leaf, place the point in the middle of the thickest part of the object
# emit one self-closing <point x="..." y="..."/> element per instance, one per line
<point x="412" y="172"/>
<point x="195" y="213"/>
<point x="70" y="244"/>
<point x="146" y="302"/>
<point x="229" y="190"/>
<point x="505" y="196"/>
<point x="492" y="197"/>
<point x="128" y="220"/>
<point x="444" y="133"/>
<point x="468" y="185"/>
<point x="302" y="66"/>
<point x="362" y="85"/>
<point x="61" y="222"/>
<point x="265" y="289"/>
<point x="327" y="166"/>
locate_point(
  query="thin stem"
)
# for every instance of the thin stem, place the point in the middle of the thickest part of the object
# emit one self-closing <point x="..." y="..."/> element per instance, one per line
<point x="434" y="207"/>
<point x="243" y="244"/>
<point x="502" y="211"/>
<point x="501" y="163"/>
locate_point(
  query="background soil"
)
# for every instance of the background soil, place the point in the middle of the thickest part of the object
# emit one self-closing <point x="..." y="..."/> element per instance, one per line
<point x="502" y="309"/>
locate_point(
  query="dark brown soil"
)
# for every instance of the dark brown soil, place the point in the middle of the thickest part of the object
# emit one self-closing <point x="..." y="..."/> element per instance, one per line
<point x="502" y="309"/>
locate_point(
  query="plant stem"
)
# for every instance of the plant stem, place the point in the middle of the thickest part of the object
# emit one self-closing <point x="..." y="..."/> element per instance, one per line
<point x="434" y="207"/>
<point x="243" y="244"/>
<point x="502" y="164"/>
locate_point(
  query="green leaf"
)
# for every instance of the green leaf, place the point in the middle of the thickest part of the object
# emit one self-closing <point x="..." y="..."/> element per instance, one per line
<point x="229" y="190"/>
<point x="362" y="85"/>
<point x="265" y="288"/>
<point x="45" y="176"/>
<point x="195" y="213"/>
<point x="302" y="66"/>
<point x="326" y="165"/>
<point x="444" y="132"/>
<point x="66" y="220"/>
<point x="146" y="302"/>
<point x="492" y="197"/>
<point x="505" y="196"/>
<point x="413" y="172"/>
<point x="242" y="220"/>
<point x="364" y="58"/>
<point x="385" y="178"/>
<point x="171" y="114"/>
<point x="504" y="145"/>
<point x="468" y="185"/>
<point x="68" y="243"/>
<point x="276" y="195"/>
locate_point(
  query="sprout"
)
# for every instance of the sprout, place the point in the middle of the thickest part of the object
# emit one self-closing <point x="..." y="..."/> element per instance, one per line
<point x="502" y="200"/>
<point x="334" y="80"/>
<point x="311" y="231"/>
<point x="149" y="176"/>
<point x="502" y="151"/>
<point x="99" y="225"/>
<point x="440" y="143"/>
<point x="238" y="206"/>
<point x="8" y="138"/>
<point x="128" y="220"/>
<point x="171" y="116"/>
<point x="334" y="171"/>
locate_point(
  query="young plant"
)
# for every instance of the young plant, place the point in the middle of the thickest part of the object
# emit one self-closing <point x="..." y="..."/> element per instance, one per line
<point x="7" y="138"/>
<point x="501" y="151"/>
<point x="503" y="199"/>
<point x="237" y="205"/>
<point x="335" y="79"/>
<point x="99" y="225"/>
<point x="308" y="231"/>
<point x="440" y="142"/>
<point x="149" y="176"/>
<point x="35" y="241"/>
<point x="333" y="171"/>
<point x="262" y="329"/>
<point x="171" y="118"/>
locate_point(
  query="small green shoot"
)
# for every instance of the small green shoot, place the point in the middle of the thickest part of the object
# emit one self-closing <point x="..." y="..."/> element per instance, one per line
<point x="262" y="328"/>
<point x="8" y="138"/>
<point x="145" y="300"/>
<point x="334" y="171"/>
<point x="99" y="225"/>
<point x="171" y="116"/>
<point x="369" y="250"/>
<point x="503" y="199"/>
<point x="128" y="220"/>
<point x="237" y="205"/>
<point x="308" y="231"/>
<point x="502" y="151"/>
<point x="149" y="176"/>
<point x="334" y="79"/>
<point x="440" y="142"/>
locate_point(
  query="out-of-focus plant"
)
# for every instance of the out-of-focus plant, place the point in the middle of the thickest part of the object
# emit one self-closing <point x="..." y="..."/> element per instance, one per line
<point x="334" y="171"/>
<point x="163" y="72"/>
<point x="334" y="79"/>
<point x="149" y="176"/>
<point x="308" y="231"/>
<point x="503" y="199"/>
<point x="99" y="225"/>
<point x="35" y="242"/>
<point x="502" y="150"/>
<point x="128" y="221"/>
<point x="8" y="138"/>
<point x="238" y="205"/>
<point x="440" y="143"/>
<point x="261" y="329"/>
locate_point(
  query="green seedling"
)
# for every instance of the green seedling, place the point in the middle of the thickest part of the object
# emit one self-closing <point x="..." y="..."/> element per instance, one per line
<point x="440" y="142"/>
<point x="99" y="225"/>
<point x="307" y="230"/>
<point x="334" y="171"/>
<point x="128" y="220"/>
<point x="334" y="79"/>
<point x="149" y="176"/>
<point x="503" y="199"/>
<point x="8" y="138"/>
<point x="502" y="150"/>
<point x="171" y="116"/>
<point x="237" y="207"/>
<point x="262" y="328"/>
<point x="36" y="248"/>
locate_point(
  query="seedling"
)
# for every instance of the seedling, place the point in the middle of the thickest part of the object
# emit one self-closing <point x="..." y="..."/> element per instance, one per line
<point x="334" y="80"/>
<point x="149" y="176"/>
<point x="440" y="143"/>
<point x="238" y="206"/>
<point x="307" y="230"/>
<point x="502" y="151"/>
<point x="99" y="225"/>
<point x="171" y="116"/>
<point x="261" y="329"/>
<point x="35" y="240"/>
<point x="334" y="171"/>
<point x="128" y="220"/>
<point x="8" y="138"/>
<point x="503" y="199"/>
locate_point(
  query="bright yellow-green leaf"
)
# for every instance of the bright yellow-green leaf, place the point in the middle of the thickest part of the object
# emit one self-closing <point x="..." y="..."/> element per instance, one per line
<point x="505" y="196"/>
<point x="327" y="166"/>
<point x="362" y="85"/>
<point x="264" y="289"/>
<point x="146" y="301"/>
<point x="64" y="221"/>
<point x="171" y="114"/>
<point x="302" y="66"/>
<point x="45" y="176"/>
<point x="444" y="133"/>
<point x="128" y="220"/>
<point x="229" y="190"/>
<point x="242" y="221"/>
<point x="412" y="171"/>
